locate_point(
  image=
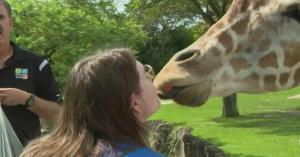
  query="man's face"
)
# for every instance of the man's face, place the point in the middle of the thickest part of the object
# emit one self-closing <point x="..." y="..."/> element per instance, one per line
<point x="5" y="25"/>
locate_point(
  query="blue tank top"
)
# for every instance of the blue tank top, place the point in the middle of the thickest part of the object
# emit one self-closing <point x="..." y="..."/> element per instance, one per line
<point x="143" y="152"/>
<point x="104" y="149"/>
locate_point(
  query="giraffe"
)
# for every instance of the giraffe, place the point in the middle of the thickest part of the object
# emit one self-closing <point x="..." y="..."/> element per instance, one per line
<point x="253" y="48"/>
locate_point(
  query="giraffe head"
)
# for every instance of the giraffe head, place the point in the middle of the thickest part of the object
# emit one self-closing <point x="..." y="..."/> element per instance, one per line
<point x="254" y="48"/>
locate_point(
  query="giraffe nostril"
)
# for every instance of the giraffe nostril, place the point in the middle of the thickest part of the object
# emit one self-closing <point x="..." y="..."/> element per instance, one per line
<point x="187" y="55"/>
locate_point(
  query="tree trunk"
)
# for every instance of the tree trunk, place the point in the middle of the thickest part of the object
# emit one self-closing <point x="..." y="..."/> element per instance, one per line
<point x="230" y="108"/>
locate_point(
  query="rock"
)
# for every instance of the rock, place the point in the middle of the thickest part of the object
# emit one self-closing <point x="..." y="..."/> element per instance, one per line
<point x="171" y="141"/>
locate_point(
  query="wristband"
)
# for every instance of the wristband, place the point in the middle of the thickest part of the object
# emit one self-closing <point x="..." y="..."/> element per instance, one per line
<point x="30" y="101"/>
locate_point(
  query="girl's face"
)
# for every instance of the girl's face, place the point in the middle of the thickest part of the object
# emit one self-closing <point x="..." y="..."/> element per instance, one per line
<point x="147" y="100"/>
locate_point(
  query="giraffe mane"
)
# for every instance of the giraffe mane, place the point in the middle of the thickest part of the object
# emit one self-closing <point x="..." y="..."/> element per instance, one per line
<point x="240" y="6"/>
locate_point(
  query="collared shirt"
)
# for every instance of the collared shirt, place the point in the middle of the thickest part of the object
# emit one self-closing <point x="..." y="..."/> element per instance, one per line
<point x="28" y="72"/>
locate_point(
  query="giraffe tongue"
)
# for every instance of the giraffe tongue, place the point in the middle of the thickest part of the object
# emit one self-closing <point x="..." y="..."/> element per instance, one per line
<point x="167" y="88"/>
<point x="169" y="91"/>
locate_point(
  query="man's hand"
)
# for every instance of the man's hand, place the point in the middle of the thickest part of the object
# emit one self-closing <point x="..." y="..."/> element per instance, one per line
<point x="43" y="108"/>
<point x="13" y="96"/>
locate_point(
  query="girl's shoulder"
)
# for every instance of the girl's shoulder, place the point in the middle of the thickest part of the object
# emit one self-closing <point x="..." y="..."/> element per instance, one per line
<point x="143" y="151"/>
<point x="105" y="149"/>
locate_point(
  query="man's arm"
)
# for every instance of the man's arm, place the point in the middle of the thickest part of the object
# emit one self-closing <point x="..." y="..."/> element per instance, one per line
<point x="47" y="110"/>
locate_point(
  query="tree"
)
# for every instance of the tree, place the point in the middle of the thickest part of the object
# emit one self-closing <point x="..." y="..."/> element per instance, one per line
<point x="65" y="30"/>
<point x="211" y="13"/>
<point x="166" y="35"/>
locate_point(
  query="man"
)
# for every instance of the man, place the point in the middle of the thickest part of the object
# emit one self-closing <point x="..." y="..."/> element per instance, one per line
<point x="27" y="87"/>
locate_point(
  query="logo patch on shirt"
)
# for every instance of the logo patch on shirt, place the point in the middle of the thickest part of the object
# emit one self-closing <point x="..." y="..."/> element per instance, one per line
<point x="21" y="73"/>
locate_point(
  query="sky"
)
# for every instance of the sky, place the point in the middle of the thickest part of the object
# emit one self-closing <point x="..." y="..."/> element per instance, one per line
<point x="120" y="4"/>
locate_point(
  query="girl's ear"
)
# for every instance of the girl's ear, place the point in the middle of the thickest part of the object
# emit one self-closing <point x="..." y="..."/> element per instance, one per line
<point x="136" y="105"/>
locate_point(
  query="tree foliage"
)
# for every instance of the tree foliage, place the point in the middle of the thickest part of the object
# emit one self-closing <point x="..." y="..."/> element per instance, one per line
<point x="65" y="30"/>
<point x="173" y="24"/>
<point x="210" y="10"/>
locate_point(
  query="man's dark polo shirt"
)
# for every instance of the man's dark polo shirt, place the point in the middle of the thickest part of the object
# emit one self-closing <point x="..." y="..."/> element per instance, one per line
<point x="28" y="72"/>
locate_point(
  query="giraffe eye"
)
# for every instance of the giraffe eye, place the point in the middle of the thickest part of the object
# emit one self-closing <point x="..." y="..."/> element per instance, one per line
<point x="293" y="11"/>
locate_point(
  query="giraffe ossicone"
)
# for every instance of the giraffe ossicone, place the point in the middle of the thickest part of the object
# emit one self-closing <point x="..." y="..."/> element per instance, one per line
<point x="254" y="48"/>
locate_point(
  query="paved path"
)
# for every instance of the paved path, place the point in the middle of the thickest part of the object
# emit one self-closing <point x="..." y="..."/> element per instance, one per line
<point x="165" y="102"/>
<point x="294" y="97"/>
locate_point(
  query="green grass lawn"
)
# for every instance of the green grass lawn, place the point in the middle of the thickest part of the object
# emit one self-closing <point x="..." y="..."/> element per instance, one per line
<point x="269" y="125"/>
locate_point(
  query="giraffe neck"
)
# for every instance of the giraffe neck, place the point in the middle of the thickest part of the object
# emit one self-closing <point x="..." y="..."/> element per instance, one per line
<point x="266" y="65"/>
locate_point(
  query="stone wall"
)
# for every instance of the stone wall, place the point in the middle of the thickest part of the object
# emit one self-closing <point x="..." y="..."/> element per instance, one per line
<point x="172" y="141"/>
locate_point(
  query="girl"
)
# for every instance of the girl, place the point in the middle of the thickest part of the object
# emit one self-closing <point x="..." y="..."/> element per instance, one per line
<point x="107" y="100"/>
